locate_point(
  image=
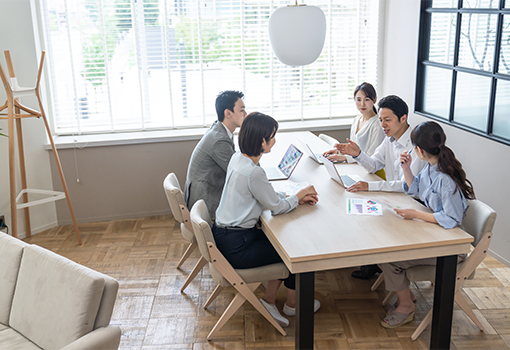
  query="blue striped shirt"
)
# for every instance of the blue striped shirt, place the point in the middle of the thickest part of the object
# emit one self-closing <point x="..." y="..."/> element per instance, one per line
<point x="440" y="193"/>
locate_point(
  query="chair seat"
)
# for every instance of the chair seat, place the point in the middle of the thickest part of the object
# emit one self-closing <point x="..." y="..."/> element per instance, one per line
<point x="256" y="274"/>
<point x="428" y="273"/>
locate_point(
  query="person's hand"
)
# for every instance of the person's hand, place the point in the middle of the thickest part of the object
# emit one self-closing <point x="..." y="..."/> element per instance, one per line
<point x="309" y="199"/>
<point x="407" y="214"/>
<point x="350" y="148"/>
<point x="405" y="160"/>
<point x="334" y="156"/>
<point x="307" y="195"/>
<point x="358" y="186"/>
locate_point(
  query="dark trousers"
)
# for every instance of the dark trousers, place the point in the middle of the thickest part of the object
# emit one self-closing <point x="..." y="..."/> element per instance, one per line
<point x="248" y="248"/>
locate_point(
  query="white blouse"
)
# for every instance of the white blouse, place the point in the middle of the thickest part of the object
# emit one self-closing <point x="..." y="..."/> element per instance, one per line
<point x="368" y="138"/>
<point x="247" y="192"/>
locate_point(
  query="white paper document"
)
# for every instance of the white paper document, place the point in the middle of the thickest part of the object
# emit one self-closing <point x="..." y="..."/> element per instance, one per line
<point x="362" y="206"/>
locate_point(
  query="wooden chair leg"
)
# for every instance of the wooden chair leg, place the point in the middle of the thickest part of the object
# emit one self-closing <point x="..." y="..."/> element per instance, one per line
<point x="459" y="299"/>
<point x="388" y="298"/>
<point x="422" y="326"/>
<point x="379" y="280"/>
<point x="213" y="296"/>
<point x="21" y="154"/>
<point x="187" y="253"/>
<point x="231" y="309"/>
<point x="198" y="267"/>
<point x="248" y="294"/>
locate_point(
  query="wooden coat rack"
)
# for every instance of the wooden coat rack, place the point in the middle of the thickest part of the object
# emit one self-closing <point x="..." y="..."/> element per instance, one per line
<point x="14" y="108"/>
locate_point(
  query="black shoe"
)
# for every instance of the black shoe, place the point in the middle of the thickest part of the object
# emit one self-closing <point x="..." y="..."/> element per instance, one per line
<point x="366" y="272"/>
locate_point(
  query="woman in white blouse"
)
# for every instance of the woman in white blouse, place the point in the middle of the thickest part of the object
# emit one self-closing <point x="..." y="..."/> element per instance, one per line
<point x="247" y="192"/>
<point x="366" y="130"/>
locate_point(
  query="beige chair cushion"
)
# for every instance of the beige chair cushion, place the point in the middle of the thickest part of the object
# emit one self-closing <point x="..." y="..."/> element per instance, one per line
<point x="11" y="250"/>
<point x="256" y="274"/>
<point x="428" y="273"/>
<point x="187" y="234"/>
<point x="174" y="195"/>
<point x="56" y="300"/>
<point x="104" y="315"/>
<point x="12" y="340"/>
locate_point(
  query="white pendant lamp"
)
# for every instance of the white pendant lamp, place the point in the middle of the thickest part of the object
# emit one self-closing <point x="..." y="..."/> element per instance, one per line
<point x="297" y="34"/>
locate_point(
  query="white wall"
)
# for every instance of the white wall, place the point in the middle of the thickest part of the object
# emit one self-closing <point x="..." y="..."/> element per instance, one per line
<point x="17" y="35"/>
<point x="481" y="158"/>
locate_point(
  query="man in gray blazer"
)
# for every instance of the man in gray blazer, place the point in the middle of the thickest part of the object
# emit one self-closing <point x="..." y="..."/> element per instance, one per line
<point x="209" y="160"/>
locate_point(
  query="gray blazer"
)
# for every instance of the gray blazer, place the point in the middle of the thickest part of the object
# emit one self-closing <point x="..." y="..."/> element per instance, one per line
<point x="208" y="167"/>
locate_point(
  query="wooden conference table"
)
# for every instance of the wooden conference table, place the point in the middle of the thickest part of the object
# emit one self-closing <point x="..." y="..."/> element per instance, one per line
<point x="324" y="237"/>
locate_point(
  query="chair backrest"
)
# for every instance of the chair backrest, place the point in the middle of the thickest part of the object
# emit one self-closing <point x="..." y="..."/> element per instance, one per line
<point x="328" y="139"/>
<point x="201" y="222"/>
<point x="174" y="195"/>
<point x="479" y="220"/>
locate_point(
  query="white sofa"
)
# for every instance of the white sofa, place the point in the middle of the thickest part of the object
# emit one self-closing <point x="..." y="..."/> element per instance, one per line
<point x="50" y="302"/>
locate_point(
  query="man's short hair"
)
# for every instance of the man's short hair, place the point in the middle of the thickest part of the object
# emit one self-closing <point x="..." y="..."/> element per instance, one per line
<point x="396" y="104"/>
<point x="227" y="100"/>
<point x="256" y="128"/>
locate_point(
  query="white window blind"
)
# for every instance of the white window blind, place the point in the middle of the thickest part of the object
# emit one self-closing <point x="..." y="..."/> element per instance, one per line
<point x="119" y="65"/>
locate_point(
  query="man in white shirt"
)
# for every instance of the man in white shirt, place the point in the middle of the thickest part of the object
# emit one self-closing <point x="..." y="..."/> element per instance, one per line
<point x="393" y="114"/>
<point x="209" y="160"/>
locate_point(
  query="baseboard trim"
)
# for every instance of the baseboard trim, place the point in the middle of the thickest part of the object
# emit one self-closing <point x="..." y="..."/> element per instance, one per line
<point x="115" y="217"/>
<point x="22" y="235"/>
<point x="499" y="257"/>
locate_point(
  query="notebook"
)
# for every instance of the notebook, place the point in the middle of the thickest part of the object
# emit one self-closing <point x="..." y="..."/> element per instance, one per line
<point x="344" y="180"/>
<point x="286" y="165"/>
<point x="314" y="156"/>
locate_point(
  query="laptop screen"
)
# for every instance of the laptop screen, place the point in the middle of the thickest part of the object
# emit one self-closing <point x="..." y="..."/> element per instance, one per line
<point x="290" y="160"/>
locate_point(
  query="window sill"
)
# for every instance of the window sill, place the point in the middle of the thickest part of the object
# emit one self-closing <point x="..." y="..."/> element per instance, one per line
<point x="131" y="138"/>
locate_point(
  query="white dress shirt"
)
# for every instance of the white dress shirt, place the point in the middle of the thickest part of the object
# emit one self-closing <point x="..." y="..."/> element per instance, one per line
<point x="387" y="156"/>
<point x="368" y="138"/>
<point x="247" y="192"/>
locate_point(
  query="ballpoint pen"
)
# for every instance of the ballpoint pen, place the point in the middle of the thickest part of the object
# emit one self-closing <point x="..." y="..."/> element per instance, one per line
<point x="408" y="153"/>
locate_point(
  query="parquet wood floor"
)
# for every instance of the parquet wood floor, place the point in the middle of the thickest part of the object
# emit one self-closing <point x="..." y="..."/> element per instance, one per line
<point x="154" y="315"/>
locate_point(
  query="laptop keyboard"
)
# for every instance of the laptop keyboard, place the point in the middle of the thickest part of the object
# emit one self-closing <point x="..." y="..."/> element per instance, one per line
<point x="347" y="180"/>
<point x="273" y="173"/>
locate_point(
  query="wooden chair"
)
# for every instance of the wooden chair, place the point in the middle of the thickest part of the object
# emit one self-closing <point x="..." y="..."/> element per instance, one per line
<point x="181" y="214"/>
<point x="14" y="108"/>
<point x="479" y="222"/>
<point x="328" y="139"/>
<point x="245" y="281"/>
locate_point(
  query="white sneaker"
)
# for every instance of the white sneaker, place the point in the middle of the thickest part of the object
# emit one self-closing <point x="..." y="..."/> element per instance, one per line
<point x="291" y="311"/>
<point x="273" y="310"/>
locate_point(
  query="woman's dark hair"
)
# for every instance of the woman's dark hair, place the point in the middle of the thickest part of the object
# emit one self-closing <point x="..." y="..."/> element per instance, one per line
<point x="397" y="105"/>
<point x="430" y="137"/>
<point x="226" y="100"/>
<point x="256" y="128"/>
<point x="369" y="91"/>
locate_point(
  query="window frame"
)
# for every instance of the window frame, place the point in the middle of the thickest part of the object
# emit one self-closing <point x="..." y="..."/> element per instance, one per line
<point x="426" y="12"/>
<point x="331" y="117"/>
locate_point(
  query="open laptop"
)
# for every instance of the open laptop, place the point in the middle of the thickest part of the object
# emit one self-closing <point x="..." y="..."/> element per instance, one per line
<point x="344" y="180"/>
<point x="286" y="165"/>
<point x="311" y="153"/>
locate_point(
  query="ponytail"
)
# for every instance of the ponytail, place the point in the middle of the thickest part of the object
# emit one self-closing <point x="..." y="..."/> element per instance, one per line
<point x="448" y="164"/>
<point x="430" y="137"/>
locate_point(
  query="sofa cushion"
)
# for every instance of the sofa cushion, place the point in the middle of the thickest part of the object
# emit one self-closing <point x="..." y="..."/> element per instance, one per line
<point x="11" y="250"/>
<point x="56" y="300"/>
<point x="12" y="340"/>
<point x="3" y="327"/>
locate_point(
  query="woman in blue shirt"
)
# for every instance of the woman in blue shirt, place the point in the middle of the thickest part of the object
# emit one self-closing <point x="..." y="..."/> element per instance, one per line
<point x="247" y="192"/>
<point x="443" y="187"/>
